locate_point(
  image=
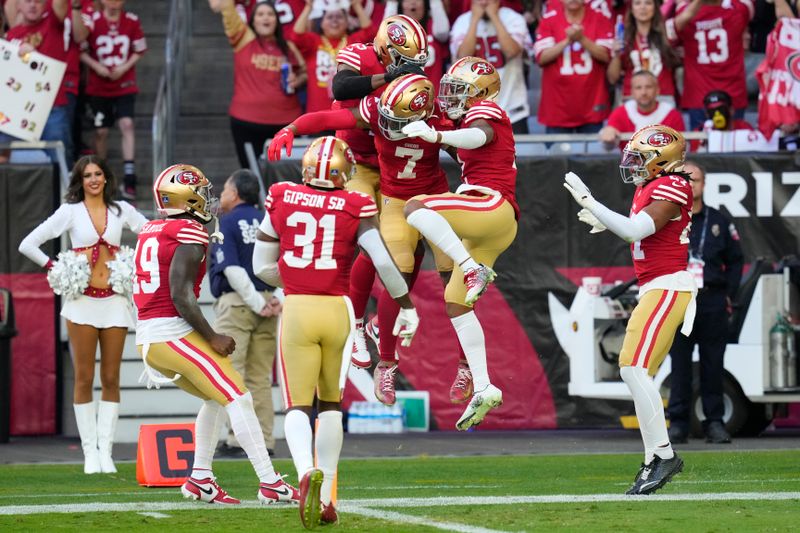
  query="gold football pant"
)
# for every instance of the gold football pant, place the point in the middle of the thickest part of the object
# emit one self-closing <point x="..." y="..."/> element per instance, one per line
<point x="485" y="224"/>
<point x="651" y="328"/>
<point x="204" y="373"/>
<point x="314" y="334"/>
<point x="367" y="179"/>
<point x="402" y="239"/>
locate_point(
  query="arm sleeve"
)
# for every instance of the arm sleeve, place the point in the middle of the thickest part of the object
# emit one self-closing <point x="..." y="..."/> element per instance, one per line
<point x="265" y="262"/>
<point x="629" y="229"/>
<point x="241" y="283"/>
<point x="338" y="119"/>
<point x="468" y="138"/>
<point x="391" y="8"/>
<point x="133" y="218"/>
<point x="392" y="279"/>
<point x="53" y="227"/>
<point x="349" y="85"/>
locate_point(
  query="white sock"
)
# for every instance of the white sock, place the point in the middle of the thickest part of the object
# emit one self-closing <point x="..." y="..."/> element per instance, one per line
<point x="328" y="445"/>
<point x="248" y="432"/>
<point x="206" y="434"/>
<point x="438" y="232"/>
<point x="649" y="412"/>
<point x="297" y="428"/>
<point x="470" y="335"/>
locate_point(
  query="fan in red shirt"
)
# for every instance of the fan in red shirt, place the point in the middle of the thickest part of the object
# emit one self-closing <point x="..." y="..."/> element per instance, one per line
<point x="711" y="32"/>
<point x="114" y="44"/>
<point x="573" y="46"/>
<point x="306" y="243"/>
<point x="640" y="111"/>
<point x="320" y="48"/>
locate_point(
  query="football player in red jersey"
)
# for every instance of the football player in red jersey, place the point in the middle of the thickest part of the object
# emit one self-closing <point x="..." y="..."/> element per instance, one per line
<point x="400" y="47"/>
<point x="483" y="211"/>
<point x="306" y="244"/>
<point x="177" y="343"/>
<point x="115" y="44"/>
<point x="658" y="230"/>
<point x="408" y="167"/>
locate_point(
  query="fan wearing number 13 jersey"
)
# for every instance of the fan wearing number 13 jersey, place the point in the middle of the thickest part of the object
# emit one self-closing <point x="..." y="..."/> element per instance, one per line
<point x="177" y="343"/>
<point x="658" y="230"/>
<point x="306" y="244"/>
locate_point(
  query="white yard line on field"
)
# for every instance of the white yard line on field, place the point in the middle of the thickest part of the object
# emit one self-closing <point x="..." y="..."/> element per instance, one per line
<point x="155" y="515"/>
<point x="391" y="516"/>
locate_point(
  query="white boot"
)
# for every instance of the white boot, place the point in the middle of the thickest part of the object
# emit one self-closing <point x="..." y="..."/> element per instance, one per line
<point x="87" y="428"/>
<point x="107" y="415"/>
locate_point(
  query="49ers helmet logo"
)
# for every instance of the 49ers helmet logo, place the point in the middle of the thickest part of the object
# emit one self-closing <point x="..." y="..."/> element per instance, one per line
<point x="660" y="139"/>
<point x="396" y="34"/>
<point x="482" y="68"/>
<point x="418" y="102"/>
<point x="188" y="178"/>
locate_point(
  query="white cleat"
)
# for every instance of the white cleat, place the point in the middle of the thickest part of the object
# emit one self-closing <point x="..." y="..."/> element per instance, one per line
<point x="360" y="357"/>
<point x="481" y="403"/>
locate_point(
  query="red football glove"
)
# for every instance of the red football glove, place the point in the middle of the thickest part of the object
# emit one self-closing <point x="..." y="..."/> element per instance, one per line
<point x="284" y="138"/>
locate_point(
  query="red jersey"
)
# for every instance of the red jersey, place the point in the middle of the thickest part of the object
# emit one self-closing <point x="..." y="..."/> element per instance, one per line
<point x="318" y="231"/>
<point x="408" y="166"/>
<point x="493" y="165"/>
<point x="628" y="118"/>
<point x="257" y="93"/>
<point x="643" y="57"/>
<point x="363" y="59"/>
<point x="155" y="248"/>
<point x="320" y="55"/>
<point x="112" y="43"/>
<point x="667" y="250"/>
<point x="714" y="52"/>
<point x="574" y="72"/>
<point x="47" y="37"/>
<point x="72" y="76"/>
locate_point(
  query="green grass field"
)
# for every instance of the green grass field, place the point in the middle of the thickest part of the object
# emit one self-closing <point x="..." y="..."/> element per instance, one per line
<point x="717" y="491"/>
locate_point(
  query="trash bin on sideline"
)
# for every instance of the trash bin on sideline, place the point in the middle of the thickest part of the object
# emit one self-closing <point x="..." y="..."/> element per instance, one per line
<point x="7" y="332"/>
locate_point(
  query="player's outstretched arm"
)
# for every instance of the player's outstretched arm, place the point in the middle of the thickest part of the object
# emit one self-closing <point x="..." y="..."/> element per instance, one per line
<point x="182" y="275"/>
<point x="370" y="240"/>
<point x="309" y="123"/>
<point x="478" y="134"/>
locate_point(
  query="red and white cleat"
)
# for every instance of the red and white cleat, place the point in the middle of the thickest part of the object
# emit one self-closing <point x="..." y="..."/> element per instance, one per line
<point x="384" y="382"/>
<point x="278" y="491"/>
<point x="310" y="506"/>
<point x="207" y="490"/>
<point x="477" y="280"/>
<point x="461" y="389"/>
<point x="360" y="356"/>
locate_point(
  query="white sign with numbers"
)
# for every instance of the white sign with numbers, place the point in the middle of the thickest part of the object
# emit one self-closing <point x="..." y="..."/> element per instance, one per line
<point x="28" y="88"/>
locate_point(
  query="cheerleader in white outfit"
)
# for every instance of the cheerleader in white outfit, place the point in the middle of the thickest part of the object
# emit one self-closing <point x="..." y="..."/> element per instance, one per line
<point x="94" y="222"/>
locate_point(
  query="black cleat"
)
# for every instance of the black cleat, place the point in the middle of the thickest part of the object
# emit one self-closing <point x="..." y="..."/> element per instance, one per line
<point x="678" y="435"/>
<point x="632" y="490"/>
<point x="656" y="474"/>
<point x="717" y="434"/>
<point x="232" y="452"/>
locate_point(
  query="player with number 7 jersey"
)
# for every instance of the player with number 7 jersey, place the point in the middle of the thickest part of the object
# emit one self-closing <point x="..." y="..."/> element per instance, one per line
<point x="657" y="229"/>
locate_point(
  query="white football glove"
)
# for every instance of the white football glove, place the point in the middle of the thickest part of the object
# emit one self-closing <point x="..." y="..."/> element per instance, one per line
<point x="406" y="325"/>
<point x="578" y="190"/>
<point x="422" y="130"/>
<point x="586" y="216"/>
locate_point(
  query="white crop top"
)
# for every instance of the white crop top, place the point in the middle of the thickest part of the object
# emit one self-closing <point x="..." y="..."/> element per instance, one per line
<point x="82" y="233"/>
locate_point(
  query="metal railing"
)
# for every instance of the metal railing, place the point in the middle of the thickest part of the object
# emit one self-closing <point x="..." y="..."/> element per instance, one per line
<point x="168" y="103"/>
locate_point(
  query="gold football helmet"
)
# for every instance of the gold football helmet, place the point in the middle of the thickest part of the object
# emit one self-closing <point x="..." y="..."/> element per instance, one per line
<point x="652" y="151"/>
<point x="183" y="189"/>
<point x="406" y="99"/>
<point x="328" y="163"/>
<point x="467" y="81"/>
<point x="401" y="39"/>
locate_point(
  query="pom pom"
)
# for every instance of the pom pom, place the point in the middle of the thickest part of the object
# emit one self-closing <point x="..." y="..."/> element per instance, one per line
<point x="69" y="275"/>
<point x="121" y="272"/>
